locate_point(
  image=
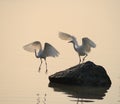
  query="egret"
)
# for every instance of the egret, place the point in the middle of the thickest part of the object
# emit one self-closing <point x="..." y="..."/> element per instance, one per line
<point x="83" y="49"/>
<point x="36" y="47"/>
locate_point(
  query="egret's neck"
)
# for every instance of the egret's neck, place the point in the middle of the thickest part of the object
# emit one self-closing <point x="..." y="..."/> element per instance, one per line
<point x="75" y="45"/>
<point x="36" y="54"/>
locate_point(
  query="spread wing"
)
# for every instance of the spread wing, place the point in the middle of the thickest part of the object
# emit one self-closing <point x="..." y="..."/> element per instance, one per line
<point x="88" y="44"/>
<point x="66" y="36"/>
<point x="32" y="46"/>
<point x="49" y="50"/>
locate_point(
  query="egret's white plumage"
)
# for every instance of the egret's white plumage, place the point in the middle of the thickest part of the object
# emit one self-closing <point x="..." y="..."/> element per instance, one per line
<point x="36" y="47"/>
<point x="83" y="49"/>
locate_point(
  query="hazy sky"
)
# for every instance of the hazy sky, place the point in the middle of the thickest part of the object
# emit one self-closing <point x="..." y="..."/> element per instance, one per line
<point x="23" y="21"/>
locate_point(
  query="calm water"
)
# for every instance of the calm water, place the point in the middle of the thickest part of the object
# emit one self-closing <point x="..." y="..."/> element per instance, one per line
<point x="24" y="21"/>
<point x="30" y="87"/>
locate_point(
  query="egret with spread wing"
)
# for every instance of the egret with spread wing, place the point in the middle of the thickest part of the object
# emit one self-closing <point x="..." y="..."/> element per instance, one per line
<point x="36" y="47"/>
<point x="83" y="49"/>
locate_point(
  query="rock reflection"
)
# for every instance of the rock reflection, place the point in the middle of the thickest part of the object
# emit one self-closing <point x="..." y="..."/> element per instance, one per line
<point x="82" y="94"/>
<point x="41" y="100"/>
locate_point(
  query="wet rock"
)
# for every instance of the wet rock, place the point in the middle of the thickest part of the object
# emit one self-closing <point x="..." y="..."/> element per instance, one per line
<point x="86" y="74"/>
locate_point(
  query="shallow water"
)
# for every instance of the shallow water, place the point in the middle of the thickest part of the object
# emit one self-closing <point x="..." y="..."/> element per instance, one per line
<point x="24" y="21"/>
<point x="36" y="89"/>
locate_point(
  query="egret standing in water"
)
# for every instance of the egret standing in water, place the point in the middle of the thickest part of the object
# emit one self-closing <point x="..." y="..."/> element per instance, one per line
<point x="36" y="47"/>
<point x="83" y="49"/>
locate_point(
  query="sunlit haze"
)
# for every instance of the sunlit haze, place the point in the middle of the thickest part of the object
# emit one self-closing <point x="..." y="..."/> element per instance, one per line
<point x="25" y="21"/>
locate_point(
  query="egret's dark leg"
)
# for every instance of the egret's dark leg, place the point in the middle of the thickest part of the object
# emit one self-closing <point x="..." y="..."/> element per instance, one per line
<point x="40" y="65"/>
<point x="79" y="59"/>
<point x="84" y="57"/>
<point x="46" y="65"/>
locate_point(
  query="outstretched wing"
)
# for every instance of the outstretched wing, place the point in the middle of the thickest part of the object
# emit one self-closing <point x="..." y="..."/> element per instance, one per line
<point x="32" y="46"/>
<point x="49" y="50"/>
<point x="88" y="44"/>
<point x="65" y="36"/>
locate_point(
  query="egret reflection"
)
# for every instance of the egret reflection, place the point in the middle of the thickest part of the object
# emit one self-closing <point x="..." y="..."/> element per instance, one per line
<point x="41" y="99"/>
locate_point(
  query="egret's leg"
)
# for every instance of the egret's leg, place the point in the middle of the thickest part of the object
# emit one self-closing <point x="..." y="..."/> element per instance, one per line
<point x="84" y="58"/>
<point x="46" y="65"/>
<point x="40" y="65"/>
<point x="79" y="59"/>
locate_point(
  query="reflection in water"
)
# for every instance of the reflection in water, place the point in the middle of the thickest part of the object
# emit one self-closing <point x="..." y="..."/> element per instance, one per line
<point x="82" y="94"/>
<point x="78" y="100"/>
<point x="41" y="100"/>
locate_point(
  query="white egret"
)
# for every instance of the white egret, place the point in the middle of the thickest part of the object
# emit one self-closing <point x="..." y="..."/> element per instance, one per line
<point x="83" y="49"/>
<point x="36" y="47"/>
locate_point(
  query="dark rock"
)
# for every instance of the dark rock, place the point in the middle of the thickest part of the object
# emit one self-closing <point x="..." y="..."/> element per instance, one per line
<point x="86" y="74"/>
